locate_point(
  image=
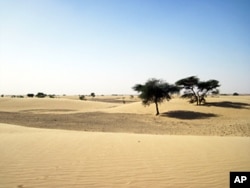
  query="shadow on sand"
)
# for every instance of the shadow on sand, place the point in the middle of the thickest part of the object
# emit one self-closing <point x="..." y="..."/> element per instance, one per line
<point x="189" y="115"/>
<point x="228" y="104"/>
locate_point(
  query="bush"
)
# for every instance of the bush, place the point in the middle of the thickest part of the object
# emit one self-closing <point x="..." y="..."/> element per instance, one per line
<point x="52" y="96"/>
<point x="40" y="95"/>
<point x="82" y="97"/>
<point x="235" y="94"/>
<point x="30" y="95"/>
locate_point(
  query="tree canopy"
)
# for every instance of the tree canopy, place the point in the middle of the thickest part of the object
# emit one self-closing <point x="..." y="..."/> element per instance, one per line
<point x="197" y="90"/>
<point x="155" y="91"/>
<point x="92" y="94"/>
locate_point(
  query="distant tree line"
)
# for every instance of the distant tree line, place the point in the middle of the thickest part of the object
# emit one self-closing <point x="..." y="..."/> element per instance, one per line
<point x="83" y="97"/>
<point x="40" y="95"/>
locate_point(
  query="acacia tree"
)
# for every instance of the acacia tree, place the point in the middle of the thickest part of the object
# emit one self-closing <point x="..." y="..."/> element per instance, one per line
<point x="155" y="91"/>
<point x="197" y="90"/>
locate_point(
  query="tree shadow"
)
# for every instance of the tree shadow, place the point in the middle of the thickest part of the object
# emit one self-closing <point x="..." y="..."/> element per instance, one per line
<point x="228" y="104"/>
<point x="189" y="115"/>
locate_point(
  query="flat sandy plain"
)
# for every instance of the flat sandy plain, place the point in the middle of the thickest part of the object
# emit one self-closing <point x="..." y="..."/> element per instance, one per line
<point x="102" y="142"/>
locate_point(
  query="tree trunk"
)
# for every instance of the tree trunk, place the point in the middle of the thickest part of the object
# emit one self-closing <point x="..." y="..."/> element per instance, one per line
<point x="197" y="100"/>
<point x="157" y="109"/>
<point x="196" y="96"/>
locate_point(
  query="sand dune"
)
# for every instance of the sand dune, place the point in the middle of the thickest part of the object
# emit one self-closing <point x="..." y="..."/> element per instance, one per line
<point x="33" y="157"/>
<point x="172" y="156"/>
<point x="47" y="105"/>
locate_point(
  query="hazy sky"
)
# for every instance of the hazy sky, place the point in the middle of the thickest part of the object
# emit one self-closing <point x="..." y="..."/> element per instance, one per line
<point x="107" y="46"/>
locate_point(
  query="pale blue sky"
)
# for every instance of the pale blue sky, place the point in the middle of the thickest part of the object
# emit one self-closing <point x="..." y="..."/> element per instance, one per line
<point x="107" y="46"/>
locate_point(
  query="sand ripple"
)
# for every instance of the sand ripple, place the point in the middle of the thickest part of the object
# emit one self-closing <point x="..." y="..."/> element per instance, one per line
<point x="32" y="157"/>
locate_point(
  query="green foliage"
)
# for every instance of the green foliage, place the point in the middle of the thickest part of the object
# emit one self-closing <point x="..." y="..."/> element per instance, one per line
<point x="82" y="97"/>
<point x="155" y="91"/>
<point x="188" y="83"/>
<point x="197" y="90"/>
<point x="52" y="96"/>
<point x="235" y="94"/>
<point x="209" y="85"/>
<point x="92" y="94"/>
<point x="40" y="95"/>
<point x="30" y="95"/>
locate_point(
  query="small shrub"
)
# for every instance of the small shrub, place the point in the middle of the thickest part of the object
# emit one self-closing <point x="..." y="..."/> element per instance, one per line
<point x="40" y="95"/>
<point x="82" y="97"/>
<point x="235" y="94"/>
<point x="52" y="96"/>
<point x="30" y="95"/>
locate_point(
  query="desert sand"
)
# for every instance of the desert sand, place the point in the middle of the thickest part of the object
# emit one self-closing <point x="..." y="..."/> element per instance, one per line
<point x="221" y="116"/>
<point x="103" y="142"/>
